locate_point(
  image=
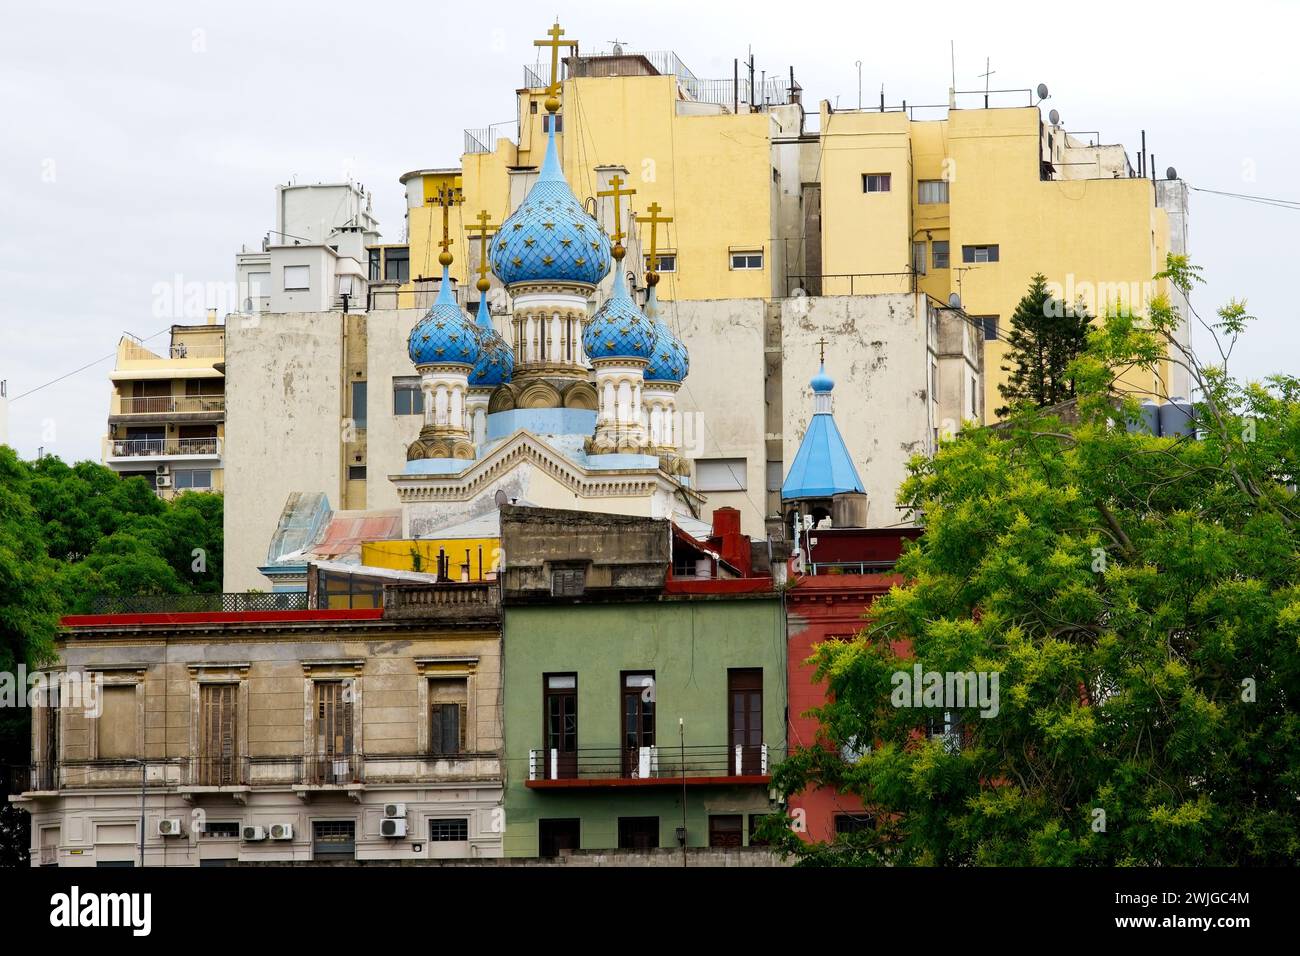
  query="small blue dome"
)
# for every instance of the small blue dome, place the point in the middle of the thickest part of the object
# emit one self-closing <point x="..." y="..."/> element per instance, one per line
<point x="821" y="382"/>
<point x="550" y="237"/>
<point x="445" y="336"/>
<point x="496" y="362"/>
<point x="619" y="330"/>
<point x="669" y="361"/>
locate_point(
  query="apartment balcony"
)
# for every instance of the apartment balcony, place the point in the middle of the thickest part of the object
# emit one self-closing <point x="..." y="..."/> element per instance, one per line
<point x="131" y="451"/>
<point x="179" y="409"/>
<point x="670" y="766"/>
<point x="308" y="774"/>
<point x="135" y="352"/>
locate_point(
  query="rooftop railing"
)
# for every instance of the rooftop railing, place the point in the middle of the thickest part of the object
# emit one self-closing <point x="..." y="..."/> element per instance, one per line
<point x="188" y="603"/>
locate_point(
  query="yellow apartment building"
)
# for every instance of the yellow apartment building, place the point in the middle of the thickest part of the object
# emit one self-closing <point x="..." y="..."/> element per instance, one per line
<point x="167" y="410"/>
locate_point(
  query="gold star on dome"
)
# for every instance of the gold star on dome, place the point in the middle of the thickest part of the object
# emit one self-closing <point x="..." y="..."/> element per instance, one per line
<point x="581" y="261"/>
<point x="595" y="245"/>
<point x="548" y="225"/>
<point x="547" y="260"/>
<point x="529" y="242"/>
<point x="517" y="261"/>
<point x="565" y="242"/>
<point x="518" y="226"/>
<point x="609" y="343"/>
<point x="424" y="338"/>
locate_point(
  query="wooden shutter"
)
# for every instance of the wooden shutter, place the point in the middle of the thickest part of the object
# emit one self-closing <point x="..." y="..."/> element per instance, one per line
<point x="333" y="719"/>
<point x="217" y="715"/>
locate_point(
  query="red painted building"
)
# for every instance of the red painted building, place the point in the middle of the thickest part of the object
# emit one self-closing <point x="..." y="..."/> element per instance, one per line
<point x="831" y="605"/>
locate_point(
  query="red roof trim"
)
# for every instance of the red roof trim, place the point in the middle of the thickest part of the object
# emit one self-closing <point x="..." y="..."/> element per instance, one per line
<point x="221" y="617"/>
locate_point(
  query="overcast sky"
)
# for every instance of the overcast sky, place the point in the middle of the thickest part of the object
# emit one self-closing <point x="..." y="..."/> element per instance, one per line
<point x="141" y="141"/>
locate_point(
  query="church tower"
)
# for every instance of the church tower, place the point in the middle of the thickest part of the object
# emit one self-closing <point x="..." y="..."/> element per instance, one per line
<point x="550" y="255"/>
<point x="444" y="346"/>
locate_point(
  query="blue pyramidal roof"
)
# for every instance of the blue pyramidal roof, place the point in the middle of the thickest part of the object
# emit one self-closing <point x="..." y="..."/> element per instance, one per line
<point x="822" y="467"/>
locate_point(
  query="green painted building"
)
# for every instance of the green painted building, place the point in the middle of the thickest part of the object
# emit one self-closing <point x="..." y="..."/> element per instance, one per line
<point x="618" y="710"/>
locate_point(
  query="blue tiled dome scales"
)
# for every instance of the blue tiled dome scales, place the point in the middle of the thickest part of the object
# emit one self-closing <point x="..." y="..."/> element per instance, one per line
<point x="445" y="346"/>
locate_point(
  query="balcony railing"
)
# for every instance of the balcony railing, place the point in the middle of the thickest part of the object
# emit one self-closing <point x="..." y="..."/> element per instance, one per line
<point x="311" y="770"/>
<point x="136" y="352"/>
<point x="183" y="603"/>
<point x="163" y="447"/>
<point x="436" y="599"/>
<point x="615" y="766"/>
<point x="172" y="404"/>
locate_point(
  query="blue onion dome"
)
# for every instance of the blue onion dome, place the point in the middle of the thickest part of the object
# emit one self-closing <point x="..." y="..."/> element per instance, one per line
<point x="669" y="360"/>
<point x="619" y="330"/>
<point x="550" y="237"/>
<point x="445" y="336"/>
<point x="496" y="361"/>
<point x="821" y="382"/>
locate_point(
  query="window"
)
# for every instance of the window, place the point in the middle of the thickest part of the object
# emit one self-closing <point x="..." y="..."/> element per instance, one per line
<point x="117" y="722"/>
<point x="356" y="472"/>
<point x="853" y="823"/>
<point x="359" y="404"/>
<point x="745" y="720"/>
<point x="297" y="278"/>
<point x="397" y="264"/>
<point x="939" y="253"/>
<point x="556" y="837"/>
<point x="930" y="191"/>
<point x="720" y="474"/>
<point x="638" y="833"/>
<point x="557" y="119"/>
<point x="747" y="259"/>
<point x="568" y="582"/>
<point x="989" y="325"/>
<point x="334" y="839"/>
<point x="774" y="475"/>
<point x="448" y="830"/>
<point x="638" y="720"/>
<point x="333" y="716"/>
<point x="918" y="258"/>
<point x="944" y="727"/>
<point x="875" y="182"/>
<point x="667" y="262"/>
<point x="979" y="253"/>
<point x="726" y="830"/>
<point x="217" y="726"/>
<point x="408" y="399"/>
<point x="532" y="106"/>
<point x="448" y="713"/>
<point x="193" y="478"/>
<point x="560" y="730"/>
<point x="221" y="830"/>
<point x="754" y="820"/>
<point x="204" y="387"/>
<point x="373" y="258"/>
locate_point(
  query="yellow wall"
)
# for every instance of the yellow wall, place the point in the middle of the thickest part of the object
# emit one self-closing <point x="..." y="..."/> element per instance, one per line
<point x="1101" y="234"/>
<point x="400" y="555"/>
<point x="712" y="174"/>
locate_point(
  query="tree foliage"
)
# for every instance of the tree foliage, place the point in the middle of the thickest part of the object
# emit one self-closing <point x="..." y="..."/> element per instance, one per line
<point x="1046" y="335"/>
<point x="1138" y="597"/>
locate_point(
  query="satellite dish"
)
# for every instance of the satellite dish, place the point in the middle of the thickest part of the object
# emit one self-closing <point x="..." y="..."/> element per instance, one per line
<point x="1042" y="91"/>
<point x="1054" y="117"/>
<point x="501" y="498"/>
<point x="954" y="301"/>
<point x="1171" y="173"/>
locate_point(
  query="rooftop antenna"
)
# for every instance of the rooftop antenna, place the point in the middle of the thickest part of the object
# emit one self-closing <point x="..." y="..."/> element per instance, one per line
<point x="858" y="64"/>
<point x="618" y="46"/>
<point x="986" y="74"/>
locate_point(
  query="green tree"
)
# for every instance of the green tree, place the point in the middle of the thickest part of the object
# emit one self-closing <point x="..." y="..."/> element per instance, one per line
<point x="1045" y="336"/>
<point x="1138" y="597"/>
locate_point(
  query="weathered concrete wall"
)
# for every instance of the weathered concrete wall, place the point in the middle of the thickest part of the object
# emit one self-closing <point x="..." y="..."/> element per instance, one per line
<point x="880" y="358"/>
<point x="387" y="434"/>
<point x="284" y="400"/>
<point x="721" y="400"/>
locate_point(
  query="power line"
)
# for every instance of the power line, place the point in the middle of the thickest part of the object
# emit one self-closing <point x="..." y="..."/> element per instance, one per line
<point x="1263" y="200"/>
<point x="104" y="358"/>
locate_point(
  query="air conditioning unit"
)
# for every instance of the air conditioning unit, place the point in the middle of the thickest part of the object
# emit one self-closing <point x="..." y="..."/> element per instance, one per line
<point x="390" y="827"/>
<point x="254" y="834"/>
<point x="395" y="811"/>
<point x="281" y="831"/>
<point x="163" y="481"/>
<point x="163" y="469"/>
<point x="170" y="827"/>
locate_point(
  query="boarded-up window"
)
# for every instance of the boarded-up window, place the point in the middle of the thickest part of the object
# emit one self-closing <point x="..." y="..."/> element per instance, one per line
<point x="448" y="713"/>
<point x="118" y="723"/>
<point x="217" y="735"/>
<point x="333" y="718"/>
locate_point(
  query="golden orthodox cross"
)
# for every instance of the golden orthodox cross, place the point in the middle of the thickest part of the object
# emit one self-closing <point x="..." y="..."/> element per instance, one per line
<point x="615" y="183"/>
<point x="555" y="43"/>
<point x="654" y="219"/>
